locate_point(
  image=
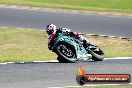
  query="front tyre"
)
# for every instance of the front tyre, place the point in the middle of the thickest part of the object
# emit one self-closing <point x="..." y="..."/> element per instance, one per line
<point x="66" y="53"/>
<point x="62" y="60"/>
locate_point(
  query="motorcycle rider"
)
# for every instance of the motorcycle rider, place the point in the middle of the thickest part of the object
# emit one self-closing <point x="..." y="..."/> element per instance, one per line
<point x="52" y="34"/>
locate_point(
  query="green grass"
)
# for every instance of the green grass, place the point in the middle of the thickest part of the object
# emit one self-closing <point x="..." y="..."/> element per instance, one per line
<point x="31" y="45"/>
<point x="125" y="86"/>
<point x="23" y="45"/>
<point x="120" y="6"/>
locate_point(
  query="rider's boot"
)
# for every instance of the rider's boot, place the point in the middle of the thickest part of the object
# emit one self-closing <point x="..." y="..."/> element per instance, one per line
<point x="88" y="45"/>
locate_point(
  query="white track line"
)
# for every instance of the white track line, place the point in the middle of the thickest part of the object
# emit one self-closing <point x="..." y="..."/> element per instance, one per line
<point x="90" y="85"/>
<point x="3" y="27"/>
<point x="46" y="61"/>
<point x="29" y="29"/>
<point x="116" y="58"/>
<point x="42" y="30"/>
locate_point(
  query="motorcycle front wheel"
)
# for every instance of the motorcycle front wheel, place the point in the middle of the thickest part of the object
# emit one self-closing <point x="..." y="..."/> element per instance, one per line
<point x="66" y="53"/>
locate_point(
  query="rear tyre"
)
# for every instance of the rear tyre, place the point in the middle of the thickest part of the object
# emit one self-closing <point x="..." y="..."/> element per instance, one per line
<point x="97" y="55"/>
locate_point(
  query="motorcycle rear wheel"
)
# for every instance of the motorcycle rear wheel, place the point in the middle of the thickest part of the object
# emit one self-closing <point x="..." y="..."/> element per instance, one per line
<point x="97" y="55"/>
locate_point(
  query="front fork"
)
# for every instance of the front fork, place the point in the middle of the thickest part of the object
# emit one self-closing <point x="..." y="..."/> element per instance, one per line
<point x="82" y="53"/>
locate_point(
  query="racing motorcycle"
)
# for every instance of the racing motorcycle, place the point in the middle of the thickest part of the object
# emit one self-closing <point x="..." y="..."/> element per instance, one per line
<point x="70" y="49"/>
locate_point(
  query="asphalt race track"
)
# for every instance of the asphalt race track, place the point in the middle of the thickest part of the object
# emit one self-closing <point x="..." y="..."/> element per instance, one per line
<point x="80" y="22"/>
<point x="54" y="74"/>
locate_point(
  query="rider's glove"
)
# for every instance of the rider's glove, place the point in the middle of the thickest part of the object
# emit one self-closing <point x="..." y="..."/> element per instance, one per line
<point x="49" y="47"/>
